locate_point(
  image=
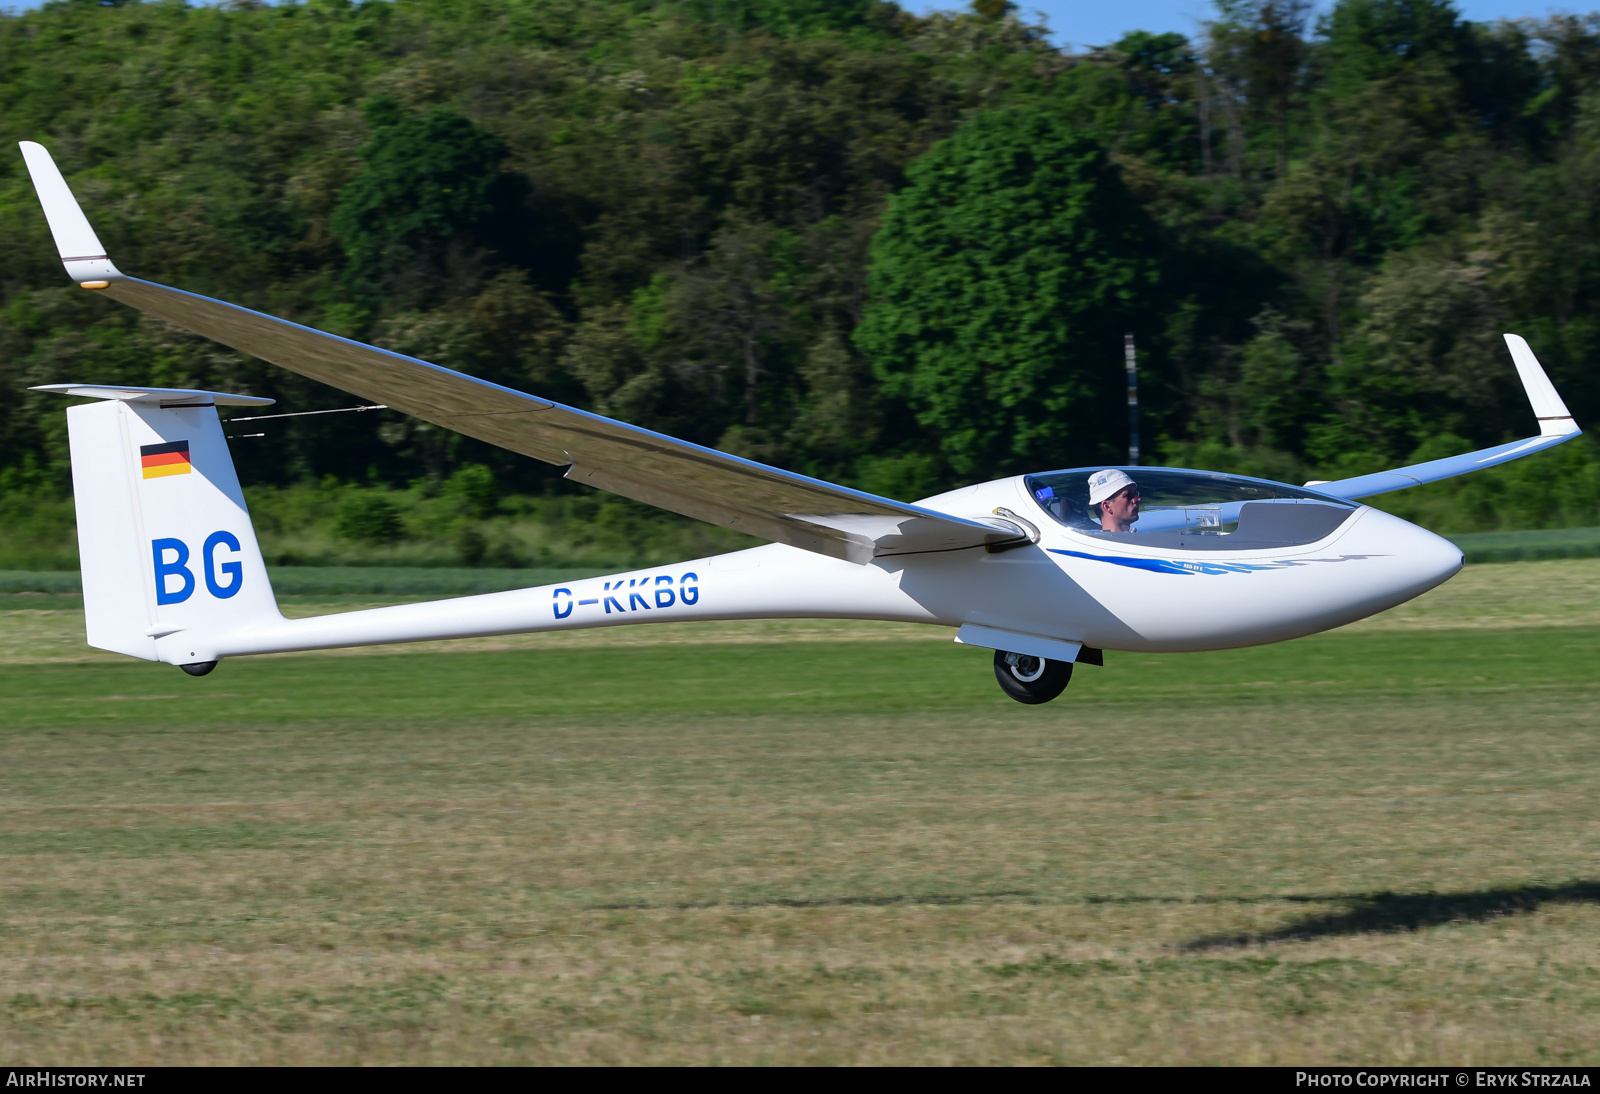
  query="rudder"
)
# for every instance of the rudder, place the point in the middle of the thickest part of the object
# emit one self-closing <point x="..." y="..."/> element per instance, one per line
<point x="168" y="555"/>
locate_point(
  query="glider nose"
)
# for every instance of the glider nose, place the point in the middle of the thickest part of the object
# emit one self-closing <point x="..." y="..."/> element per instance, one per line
<point x="1424" y="560"/>
<point x="1436" y="556"/>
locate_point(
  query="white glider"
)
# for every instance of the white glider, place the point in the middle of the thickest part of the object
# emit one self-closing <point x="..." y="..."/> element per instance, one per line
<point x="172" y="571"/>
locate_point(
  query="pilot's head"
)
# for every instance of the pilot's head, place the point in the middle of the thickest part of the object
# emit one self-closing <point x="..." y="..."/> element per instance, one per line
<point x="1117" y="497"/>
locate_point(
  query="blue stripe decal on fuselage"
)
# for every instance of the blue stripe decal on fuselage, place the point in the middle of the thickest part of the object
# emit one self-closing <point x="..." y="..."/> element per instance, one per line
<point x="1168" y="566"/>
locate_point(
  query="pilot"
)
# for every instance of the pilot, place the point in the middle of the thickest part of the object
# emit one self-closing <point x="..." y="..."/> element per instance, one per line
<point x="1118" y="498"/>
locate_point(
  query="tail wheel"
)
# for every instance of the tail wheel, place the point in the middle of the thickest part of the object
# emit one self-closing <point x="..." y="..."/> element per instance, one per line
<point x="1029" y="679"/>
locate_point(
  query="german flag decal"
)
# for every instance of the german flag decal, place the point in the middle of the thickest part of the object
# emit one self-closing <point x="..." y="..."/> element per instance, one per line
<point x="159" y="460"/>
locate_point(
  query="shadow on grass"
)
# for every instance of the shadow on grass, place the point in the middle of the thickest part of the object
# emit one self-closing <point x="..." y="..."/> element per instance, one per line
<point x="1365" y="913"/>
<point x="1396" y="913"/>
<point x="821" y="902"/>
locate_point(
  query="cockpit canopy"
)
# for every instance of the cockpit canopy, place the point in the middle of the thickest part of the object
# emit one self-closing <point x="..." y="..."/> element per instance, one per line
<point x="1197" y="510"/>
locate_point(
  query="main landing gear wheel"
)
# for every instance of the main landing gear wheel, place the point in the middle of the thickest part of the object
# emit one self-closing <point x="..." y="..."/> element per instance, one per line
<point x="1030" y="679"/>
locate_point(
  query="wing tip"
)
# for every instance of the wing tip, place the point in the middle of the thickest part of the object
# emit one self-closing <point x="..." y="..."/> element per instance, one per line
<point x="1548" y="406"/>
<point x="77" y="245"/>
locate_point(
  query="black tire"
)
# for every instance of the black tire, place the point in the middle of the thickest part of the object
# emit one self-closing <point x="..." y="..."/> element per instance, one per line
<point x="1031" y="679"/>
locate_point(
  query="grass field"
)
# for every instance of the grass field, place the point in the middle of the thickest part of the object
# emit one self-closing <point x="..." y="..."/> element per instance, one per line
<point x="812" y="843"/>
<point x="1532" y="544"/>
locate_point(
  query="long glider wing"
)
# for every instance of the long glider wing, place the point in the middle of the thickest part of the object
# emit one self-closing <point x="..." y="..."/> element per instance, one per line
<point x="650" y="467"/>
<point x="1555" y="427"/>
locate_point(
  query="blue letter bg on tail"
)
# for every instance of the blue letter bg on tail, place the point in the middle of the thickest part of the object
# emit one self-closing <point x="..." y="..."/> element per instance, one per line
<point x="171" y="557"/>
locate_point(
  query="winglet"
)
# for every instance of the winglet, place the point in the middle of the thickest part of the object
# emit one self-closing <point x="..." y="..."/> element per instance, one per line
<point x="1554" y="421"/>
<point x="80" y="249"/>
<point x="1555" y="427"/>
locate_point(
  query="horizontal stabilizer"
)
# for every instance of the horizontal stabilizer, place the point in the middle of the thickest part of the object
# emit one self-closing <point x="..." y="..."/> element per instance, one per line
<point x="162" y="396"/>
<point x="1555" y="427"/>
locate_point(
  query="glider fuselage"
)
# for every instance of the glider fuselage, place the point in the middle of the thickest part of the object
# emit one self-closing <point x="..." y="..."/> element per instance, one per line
<point x="1070" y="586"/>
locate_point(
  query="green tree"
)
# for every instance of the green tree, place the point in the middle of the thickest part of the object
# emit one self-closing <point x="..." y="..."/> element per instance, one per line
<point x="1002" y="281"/>
<point x="369" y="518"/>
<point x="664" y="211"/>
<point x="426" y="205"/>
<point x="1375" y="39"/>
<point x="1261" y="45"/>
<point x="791" y="17"/>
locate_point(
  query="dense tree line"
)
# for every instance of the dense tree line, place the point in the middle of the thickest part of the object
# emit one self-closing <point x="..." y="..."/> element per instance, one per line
<point x="895" y="251"/>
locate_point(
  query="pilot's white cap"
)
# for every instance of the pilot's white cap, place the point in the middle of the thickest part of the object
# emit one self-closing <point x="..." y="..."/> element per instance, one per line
<point x="1102" y="484"/>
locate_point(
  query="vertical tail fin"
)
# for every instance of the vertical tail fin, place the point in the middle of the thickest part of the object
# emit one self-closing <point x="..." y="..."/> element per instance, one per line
<point x="168" y="554"/>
